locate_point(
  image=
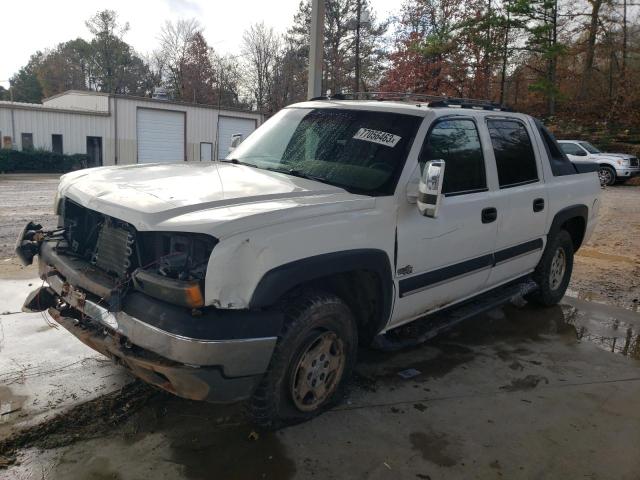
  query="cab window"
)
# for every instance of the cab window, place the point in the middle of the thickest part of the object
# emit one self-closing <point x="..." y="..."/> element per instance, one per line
<point x="457" y="142"/>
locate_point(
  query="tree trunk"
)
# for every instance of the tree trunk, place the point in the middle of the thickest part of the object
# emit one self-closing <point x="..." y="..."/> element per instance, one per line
<point x="591" y="47"/>
<point x="552" y="64"/>
<point x="505" y="54"/>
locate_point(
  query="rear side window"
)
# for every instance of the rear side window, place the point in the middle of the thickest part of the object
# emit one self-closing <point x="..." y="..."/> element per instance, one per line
<point x="512" y="147"/>
<point x="457" y="142"/>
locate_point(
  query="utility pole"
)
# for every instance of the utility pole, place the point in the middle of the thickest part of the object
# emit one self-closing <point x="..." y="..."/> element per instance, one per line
<point x="314" y="87"/>
<point x="358" y="13"/>
<point x="362" y="19"/>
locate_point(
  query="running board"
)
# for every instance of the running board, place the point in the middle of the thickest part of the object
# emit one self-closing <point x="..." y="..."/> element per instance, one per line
<point x="425" y="328"/>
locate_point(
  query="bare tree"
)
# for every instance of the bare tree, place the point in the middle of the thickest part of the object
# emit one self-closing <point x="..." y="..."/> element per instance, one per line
<point x="175" y="40"/>
<point x="261" y="47"/>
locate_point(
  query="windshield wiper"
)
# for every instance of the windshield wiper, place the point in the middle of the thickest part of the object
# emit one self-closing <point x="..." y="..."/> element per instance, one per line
<point x="298" y="173"/>
<point x="235" y="161"/>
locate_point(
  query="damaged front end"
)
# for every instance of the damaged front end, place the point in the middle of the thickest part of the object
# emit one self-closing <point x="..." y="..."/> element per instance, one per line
<point x="137" y="297"/>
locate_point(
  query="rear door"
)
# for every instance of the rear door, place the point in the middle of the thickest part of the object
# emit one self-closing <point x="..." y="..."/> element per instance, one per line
<point x="445" y="259"/>
<point x="521" y="199"/>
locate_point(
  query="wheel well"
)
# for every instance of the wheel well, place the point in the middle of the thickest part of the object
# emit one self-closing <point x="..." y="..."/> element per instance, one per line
<point x="575" y="227"/>
<point x="609" y="166"/>
<point x="362" y="291"/>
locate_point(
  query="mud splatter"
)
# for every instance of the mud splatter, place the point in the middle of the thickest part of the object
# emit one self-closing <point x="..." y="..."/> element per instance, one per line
<point x="525" y="383"/>
<point x="87" y="420"/>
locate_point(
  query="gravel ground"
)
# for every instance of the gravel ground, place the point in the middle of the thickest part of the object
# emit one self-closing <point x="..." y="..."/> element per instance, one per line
<point x="23" y="198"/>
<point x="607" y="268"/>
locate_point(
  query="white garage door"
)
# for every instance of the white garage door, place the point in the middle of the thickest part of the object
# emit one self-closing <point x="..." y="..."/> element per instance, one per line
<point x="229" y="126"/>
<point x="160" y="136"/>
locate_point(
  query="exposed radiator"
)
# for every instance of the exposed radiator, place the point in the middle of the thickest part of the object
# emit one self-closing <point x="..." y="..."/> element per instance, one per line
<point x="114" y="249"/>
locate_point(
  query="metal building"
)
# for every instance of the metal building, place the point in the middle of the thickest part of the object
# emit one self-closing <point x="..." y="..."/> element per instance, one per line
<point x="120" y="130"/>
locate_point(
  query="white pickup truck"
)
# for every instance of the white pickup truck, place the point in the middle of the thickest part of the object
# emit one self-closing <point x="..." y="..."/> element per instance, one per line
<point x="613" y="167"/>
<point x="334" y="223"/>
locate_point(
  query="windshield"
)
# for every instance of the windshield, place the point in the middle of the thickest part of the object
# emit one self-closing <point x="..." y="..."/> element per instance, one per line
<point x="361" y="151"/>
<point x="589" y="148"/>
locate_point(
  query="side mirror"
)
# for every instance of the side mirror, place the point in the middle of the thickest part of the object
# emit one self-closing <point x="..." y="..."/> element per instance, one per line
<point x="581" y="153"/>
<point x="430" y="188"/>
<point x="236" y="139"/>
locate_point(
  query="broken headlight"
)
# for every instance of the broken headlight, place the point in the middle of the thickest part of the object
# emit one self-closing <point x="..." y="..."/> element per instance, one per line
<point x="172" y="266"/>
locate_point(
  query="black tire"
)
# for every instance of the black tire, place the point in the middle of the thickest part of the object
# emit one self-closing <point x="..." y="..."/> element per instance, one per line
<point x="607" y="175"/>
<point x="308" y="317"/>
<point x="551" y="290"/>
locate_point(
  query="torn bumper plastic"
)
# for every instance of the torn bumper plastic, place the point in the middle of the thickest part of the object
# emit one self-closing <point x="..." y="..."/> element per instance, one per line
<point x="216" y="355"/>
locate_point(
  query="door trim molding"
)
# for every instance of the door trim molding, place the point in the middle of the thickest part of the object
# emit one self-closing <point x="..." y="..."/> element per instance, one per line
<point x="426" y="280"/>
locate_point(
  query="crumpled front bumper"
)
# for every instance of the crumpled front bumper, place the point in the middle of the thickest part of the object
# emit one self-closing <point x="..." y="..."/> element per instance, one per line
<point x="212" y="355"/>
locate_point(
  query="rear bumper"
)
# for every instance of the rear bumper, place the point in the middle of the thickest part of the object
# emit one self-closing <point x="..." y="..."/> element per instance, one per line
<point x="213" y="355"/>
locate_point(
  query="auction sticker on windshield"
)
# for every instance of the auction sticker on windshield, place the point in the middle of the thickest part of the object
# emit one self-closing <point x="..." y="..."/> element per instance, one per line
<point x="376" y="136"/>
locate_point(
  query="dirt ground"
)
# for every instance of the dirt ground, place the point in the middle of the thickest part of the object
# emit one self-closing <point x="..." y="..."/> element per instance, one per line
<point x="519" y="393"/>
<point x="607" y="268"/>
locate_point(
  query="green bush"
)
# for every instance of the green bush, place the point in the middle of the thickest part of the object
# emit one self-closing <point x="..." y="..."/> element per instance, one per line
<point x="40" y="161"/>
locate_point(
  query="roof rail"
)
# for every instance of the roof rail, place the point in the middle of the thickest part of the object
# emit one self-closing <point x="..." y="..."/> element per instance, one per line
<point x="434" y="101"/>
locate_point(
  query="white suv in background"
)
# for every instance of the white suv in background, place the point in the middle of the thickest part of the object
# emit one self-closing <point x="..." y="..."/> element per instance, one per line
<point x="613" y="166"/>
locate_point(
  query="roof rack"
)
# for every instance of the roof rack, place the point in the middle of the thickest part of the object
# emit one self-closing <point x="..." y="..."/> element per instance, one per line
<point x="433" y="101"/>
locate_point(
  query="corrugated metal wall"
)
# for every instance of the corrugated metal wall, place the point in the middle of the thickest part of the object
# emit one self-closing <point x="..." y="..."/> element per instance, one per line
<point x="79" y="100"/>
<point x="74" y="128"/>
<point x="201" y="124"/>
<point x="200" y="127"/>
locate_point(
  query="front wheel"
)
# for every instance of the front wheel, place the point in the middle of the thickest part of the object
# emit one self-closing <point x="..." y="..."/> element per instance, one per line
<point x="607" y="175"/>
<point x="311" y="363"/>
<point x="553" y="272"/>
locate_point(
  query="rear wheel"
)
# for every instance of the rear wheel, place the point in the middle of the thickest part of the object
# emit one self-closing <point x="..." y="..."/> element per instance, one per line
<point x="607" y="175"/>
<point x="311" y="363"/>
<point x="553" y="272"/>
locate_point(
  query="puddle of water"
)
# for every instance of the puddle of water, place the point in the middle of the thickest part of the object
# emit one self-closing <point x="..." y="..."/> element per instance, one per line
<point x="613" y="329"/>
<point x="10" y="405"/>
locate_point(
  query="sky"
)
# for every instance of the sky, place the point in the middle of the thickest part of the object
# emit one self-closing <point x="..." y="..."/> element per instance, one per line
<point x="30" y="25"/>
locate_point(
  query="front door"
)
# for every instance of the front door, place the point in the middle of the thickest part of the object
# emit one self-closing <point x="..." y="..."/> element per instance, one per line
<point x="448" y="258"/>
<point x="94" y="151"/>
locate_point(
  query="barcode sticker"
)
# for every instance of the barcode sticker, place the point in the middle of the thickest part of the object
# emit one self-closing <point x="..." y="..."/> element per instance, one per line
<point x="376" y="136"/>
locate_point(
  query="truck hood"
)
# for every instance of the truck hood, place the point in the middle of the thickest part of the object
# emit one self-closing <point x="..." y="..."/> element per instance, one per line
<point x="215" y="198"/>
<point x="613" y="155"/>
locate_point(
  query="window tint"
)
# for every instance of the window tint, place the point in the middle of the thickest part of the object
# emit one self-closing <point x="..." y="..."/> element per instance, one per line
<point x="27" y="141"/>
<point x="56" y="143"/>
<point x="457" y="143"/>
<point x="515" y="159"/>
<point x="571" y="149"/>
